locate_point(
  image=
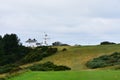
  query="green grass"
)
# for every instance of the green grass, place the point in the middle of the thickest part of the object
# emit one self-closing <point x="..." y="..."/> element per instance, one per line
<point x="69" y="75"/>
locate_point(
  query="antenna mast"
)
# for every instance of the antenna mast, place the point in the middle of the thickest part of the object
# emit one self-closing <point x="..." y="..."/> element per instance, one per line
<point x="45" y="39"/>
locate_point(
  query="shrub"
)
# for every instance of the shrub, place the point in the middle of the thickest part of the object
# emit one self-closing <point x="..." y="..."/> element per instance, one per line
<point x="44" y="48"/>
<point x="105" y="60"/>
<point x="64" y="49"/>
<point x="2" y="79"/>
<point x="61" y="68"/>
<point x="106" y="43"/>
<point x="48" y="66"/>
<point x="7" y="68"/>
<point x="95" y="64"/>
<point x="38" y="54"/>
<point x="32" y="57"/>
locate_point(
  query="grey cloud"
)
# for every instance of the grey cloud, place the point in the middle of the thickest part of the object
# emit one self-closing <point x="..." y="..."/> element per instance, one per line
<point x="88" y="18"/>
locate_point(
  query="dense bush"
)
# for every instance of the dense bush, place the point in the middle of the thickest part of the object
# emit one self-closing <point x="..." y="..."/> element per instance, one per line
<point x="2" y="79"/>
<point x="107" y="43"/>
<point x="64" y="49"/>
<point x="11" y="50"/>
<point x="61" y="68"/>
<point x="32" y="57"/>
<point x="7" y="68"/>
<point x="96" y="64"/>
<point x="57" y="43"/>
<point x="44" y="48"/>
<point x="105" y="60"/>
<point x="38" y="54"/>
<point x="48" y="66"/>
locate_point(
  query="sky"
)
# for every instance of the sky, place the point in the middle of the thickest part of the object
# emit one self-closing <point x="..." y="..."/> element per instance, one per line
<point x="84" y="22"/>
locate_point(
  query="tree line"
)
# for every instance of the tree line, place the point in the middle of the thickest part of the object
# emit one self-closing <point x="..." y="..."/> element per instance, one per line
<point x="11" y="50"/>
<point x="13" y="53"/>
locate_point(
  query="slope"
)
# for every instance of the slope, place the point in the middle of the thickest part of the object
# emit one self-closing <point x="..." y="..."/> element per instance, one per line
<point x="76" y="56"/>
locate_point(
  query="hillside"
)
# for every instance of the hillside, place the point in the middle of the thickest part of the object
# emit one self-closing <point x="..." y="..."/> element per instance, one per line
<point x="76" y="56"/>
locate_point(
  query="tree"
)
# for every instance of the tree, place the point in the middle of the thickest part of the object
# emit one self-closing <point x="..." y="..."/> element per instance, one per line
<point x="11" y="43"/>
<point x="57" y="43"/>
<point x="1" y="47"/>
<point x="1" y="50"/>
<point x="11" y="50"/>
<point x="107" y="43"/>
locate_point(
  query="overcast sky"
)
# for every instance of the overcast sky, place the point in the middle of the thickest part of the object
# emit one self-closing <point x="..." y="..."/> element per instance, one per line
<point x="69" y="21"/>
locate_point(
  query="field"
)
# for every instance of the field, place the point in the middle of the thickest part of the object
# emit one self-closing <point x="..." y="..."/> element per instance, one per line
<point x="75" y="57"/>
<point x="70" y="75"/>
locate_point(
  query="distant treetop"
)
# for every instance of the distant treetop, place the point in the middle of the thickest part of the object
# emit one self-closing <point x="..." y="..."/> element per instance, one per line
<point x="106" y="43"/>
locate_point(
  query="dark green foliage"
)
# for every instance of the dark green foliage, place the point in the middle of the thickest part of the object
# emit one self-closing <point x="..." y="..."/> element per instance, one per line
<point x="106" y="43"/>
<point x="96" y="64"/>
<point x="64" y="49"/>
<point x="33" y="56"/>
<point x="38" y="54"/>
<point x="1" y="46"/>
<point x="44" y="48"/>
<point x="7" y="68"/>
<point x="11" y="51"/>
<point x="48" y="66"/>
<point x="49" y="52"/>
<point x="23" y="51"/>
<point x="61" y="68"/>
<point x="9" y="48"/>
<point x="11" y="43"/>
<point x="57" y="43"/>
<point x="105" y="60"/>
<point x="2" y="79"/>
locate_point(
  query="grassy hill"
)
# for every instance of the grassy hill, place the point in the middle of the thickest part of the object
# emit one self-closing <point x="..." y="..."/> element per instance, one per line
<point x="76" y="56"/>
